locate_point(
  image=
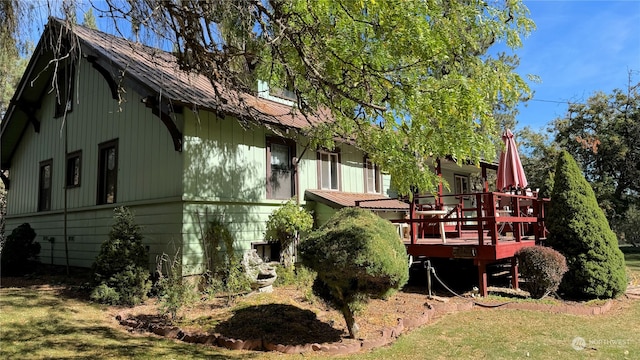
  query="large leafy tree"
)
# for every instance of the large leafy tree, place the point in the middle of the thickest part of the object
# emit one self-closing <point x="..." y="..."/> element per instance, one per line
<point x="407" y="83"/>
<point x="11" y="45"/>
<point x="602" y="135"/>
<point x="538" y="155"/>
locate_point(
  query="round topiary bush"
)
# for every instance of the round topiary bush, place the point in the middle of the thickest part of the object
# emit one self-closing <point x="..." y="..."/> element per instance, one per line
<point x="18" y="250"/>
<point x="542" y="268"/>
<point x="579" y="230"/>
<point x="356" y="255"/>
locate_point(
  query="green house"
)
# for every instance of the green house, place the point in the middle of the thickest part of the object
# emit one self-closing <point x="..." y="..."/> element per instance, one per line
<point x="113" y="123"/>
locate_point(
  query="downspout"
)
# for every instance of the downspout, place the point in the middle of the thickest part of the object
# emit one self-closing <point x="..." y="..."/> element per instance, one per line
<point x="66" y="188"/>
<point x="296" y="167"/>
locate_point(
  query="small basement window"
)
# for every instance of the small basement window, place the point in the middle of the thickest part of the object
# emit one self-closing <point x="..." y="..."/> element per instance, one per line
<point x="267" y="251"/>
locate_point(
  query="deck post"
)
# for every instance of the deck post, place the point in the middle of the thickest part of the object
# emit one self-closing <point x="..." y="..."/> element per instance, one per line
<point x="412" y="216"/>
<point x="482" y="278"/>
<point x="493" y="226"/>
<point x="514" y="273"/>
<point x="480" y="212"/>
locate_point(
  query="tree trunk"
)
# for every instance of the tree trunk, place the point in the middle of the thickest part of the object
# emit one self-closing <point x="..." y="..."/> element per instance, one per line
<point x="351" y="322"/>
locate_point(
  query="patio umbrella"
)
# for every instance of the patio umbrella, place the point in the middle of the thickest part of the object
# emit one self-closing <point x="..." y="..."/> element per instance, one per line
<point x="510" y="171"/>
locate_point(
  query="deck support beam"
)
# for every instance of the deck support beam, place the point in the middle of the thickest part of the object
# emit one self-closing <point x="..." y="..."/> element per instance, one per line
<point x="514" y="273"/>
<point x="482" y="278"/>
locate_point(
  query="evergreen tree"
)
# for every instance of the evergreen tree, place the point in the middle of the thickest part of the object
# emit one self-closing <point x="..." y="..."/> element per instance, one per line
<point x="579" y="230"/>
<point x="89" y="20"/>
<point x="121" y="268"/>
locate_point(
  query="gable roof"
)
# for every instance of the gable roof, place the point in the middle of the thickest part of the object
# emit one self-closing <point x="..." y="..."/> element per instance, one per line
<point x="150" y="72"/>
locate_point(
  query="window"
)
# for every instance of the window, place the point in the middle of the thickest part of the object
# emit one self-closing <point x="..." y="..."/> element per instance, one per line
<point x="461" y="184"/>
<point x="64" y="90"/>
<point x="44" y="186"/>
<point x="267" y="251"/>
<point x="328" y="170"/>
<point x="107" y="172"/>
<point x="280" y="170"/>
<point x="72" y="176"/>
<point x="372" y="177"/>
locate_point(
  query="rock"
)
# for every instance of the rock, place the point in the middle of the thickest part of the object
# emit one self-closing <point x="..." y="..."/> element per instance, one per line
<point x="260" y="274"/>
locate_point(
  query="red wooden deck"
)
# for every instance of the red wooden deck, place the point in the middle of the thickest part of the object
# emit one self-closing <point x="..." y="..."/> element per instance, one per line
<point x="493" y="229"/>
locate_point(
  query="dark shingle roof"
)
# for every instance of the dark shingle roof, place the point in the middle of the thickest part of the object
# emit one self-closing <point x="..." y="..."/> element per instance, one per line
<point x="339" y="199"/>
<point x="158" y="71"/>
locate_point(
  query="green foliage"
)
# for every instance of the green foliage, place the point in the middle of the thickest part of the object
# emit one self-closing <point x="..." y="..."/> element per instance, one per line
<point x="356" y="255"/>
<point x="89" y="20"/>
<point x="423" y="73"/>
<point x="218" y="244"/>
<point x="286" y="223"/>
<point x="122" y="263"/>
<point x="236" y="281"/>
<point x="543" y="268"/>
<point x="173" y="290"/>
<point x="579" y="230"/>
<point x="602" y="135"/>
<point x="538" y="154"/>
<point x="105" y="295"/>
<point x="629" y="226"/>
<point x="298" y="275"/>
<point x="225" y="273"/>
<point x="18" y="249"/>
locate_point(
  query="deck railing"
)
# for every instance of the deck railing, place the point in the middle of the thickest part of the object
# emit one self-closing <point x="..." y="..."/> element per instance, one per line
<point x="486" y="214"/>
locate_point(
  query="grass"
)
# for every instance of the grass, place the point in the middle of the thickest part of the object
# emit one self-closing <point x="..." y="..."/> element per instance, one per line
<point x="38" y="322"/>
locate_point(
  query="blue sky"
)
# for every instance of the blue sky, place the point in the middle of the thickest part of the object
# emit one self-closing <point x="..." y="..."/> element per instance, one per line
<point x="577" y="49"/>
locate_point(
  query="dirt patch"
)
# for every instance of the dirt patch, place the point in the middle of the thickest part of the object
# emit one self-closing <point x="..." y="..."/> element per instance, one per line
<point x="289" y="319"/>
<point x="286" y="316"/>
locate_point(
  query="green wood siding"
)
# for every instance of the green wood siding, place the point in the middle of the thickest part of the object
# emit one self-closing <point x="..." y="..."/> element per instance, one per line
<point x="148" y="166"/>
<point x="161" y="227"/>
<point x="149" y="171"/>
<point x="225" y="171"/>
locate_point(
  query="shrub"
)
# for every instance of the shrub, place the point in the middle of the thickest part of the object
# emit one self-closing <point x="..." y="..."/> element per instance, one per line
<point x="298" y="275"/>
<point x="224" y="272"/>
<point x="543" y="268"/>
<point x="286" y="223"/>
<point x="18" y="249"/>
<point x="122" y="263"/>
<point x="579" y="230"/>
<point x="173" y="290"/>
<point x="105" y="294"/>
<point x="357" y="255"/>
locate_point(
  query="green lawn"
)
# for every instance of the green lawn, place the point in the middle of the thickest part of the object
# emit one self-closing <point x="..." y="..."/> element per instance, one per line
<point x="39" y="324"/>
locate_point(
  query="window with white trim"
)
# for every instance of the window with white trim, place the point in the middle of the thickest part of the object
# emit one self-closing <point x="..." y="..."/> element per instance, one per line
<point x="461" y="184"/>
<point x="373" y="179"/>
<point x="328" y="170"/>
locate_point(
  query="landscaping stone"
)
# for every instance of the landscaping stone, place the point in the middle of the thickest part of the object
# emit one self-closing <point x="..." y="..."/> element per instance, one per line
<point x="387" y="334"/>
